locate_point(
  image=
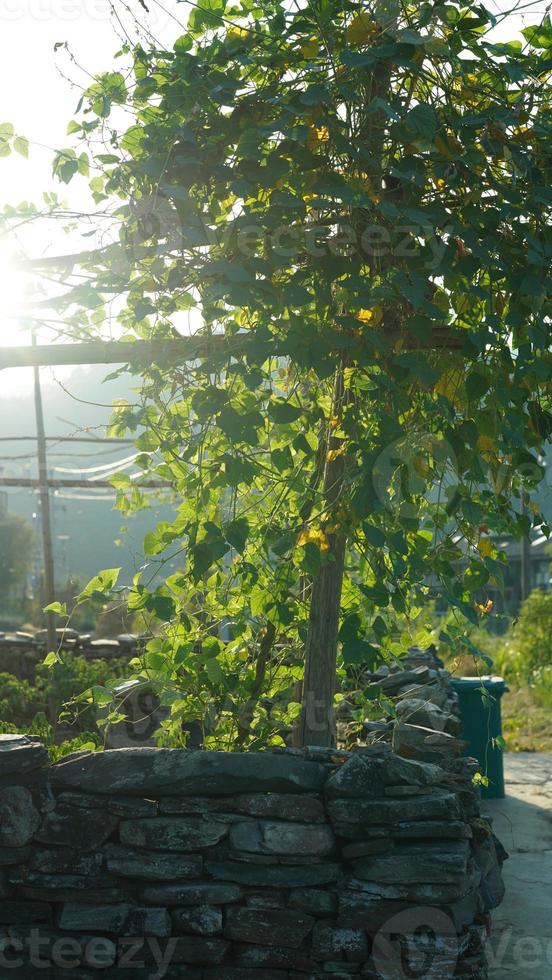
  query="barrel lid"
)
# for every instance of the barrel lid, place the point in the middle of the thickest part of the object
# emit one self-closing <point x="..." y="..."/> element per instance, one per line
<point x="495" y="684"/>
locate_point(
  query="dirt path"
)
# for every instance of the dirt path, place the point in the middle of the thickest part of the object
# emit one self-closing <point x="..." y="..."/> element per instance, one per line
<point x="521" y="944"/>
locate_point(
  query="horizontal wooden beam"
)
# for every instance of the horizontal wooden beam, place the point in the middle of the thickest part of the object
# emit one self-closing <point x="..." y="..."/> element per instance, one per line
<point x="97" y="442"/>
<point x="136" y="354"/>
<point x="25" y="482"/>
<point x="141" y="353"/>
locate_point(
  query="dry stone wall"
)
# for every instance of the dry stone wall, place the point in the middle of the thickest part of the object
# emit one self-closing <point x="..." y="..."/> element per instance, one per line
<point x="289" y="865"/>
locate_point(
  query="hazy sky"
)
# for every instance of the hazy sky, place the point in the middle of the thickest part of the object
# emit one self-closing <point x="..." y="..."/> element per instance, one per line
<point x="40" y="91"/>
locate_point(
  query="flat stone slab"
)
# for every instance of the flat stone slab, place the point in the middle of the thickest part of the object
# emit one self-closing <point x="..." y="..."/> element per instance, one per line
<point x="120" y="806"/>
<point x="426" y="863"/>
<point x="280" y="837"/>
<point x="272" y="806"/>
<point x="20" y="754"/>
<point x="19" y="818"/>
<point x="275" y="877"/>
<point x="84" y="830"/>
<point x="192" y="893"/>
<point x="151" y="866"/>
<point x="172" y="833"/>
<point x="368" y="772"/>
<point x="271" y="927"/>
<point x="350" y="818"/>
<point x="149" y="771"/>
<point x="203" y="920"/>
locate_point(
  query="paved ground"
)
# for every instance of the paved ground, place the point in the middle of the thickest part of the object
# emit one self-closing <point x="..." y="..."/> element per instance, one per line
<point x="521" y="944"/>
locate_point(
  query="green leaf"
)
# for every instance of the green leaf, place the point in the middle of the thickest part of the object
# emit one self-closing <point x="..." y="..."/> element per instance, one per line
<point x="539" y="35"/>
<point x="58" y="608"/>
<point x="355" y="649"/>
<point x="477" y="385"/>
<point x="101" y="585"/>
<point x="202" y="557"/>
<point x="65" y="165"/>
<point x="422" y="119"/>
<point x="373" y="535"/>
<point x="240" y="427"/>
<point x="162" y="606"/>
<point x="236" y="533"/>
<point x="282" y="412"/>
<point x="21" y="146"/>
<point x="121" y="481"/>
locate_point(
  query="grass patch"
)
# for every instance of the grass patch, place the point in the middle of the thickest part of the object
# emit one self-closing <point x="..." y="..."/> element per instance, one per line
<point x="526" y="721"/>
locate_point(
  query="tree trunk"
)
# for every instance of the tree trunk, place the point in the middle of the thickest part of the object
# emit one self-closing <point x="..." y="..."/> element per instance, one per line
<point x="316" y="725"/>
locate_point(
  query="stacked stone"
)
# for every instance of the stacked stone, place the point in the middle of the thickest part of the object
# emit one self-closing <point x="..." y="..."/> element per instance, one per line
<point x="245" y="866"/>
<point x="14" y="645"/>
<point x="425" y="726"/>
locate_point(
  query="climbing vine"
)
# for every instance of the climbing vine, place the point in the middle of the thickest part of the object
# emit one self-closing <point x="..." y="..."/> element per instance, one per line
<point x="349" y="204"/>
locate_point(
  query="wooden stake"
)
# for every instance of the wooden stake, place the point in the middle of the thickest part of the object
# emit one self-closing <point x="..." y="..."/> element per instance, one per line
<point x="316" y="725"/>
<point x="45" y="513"/>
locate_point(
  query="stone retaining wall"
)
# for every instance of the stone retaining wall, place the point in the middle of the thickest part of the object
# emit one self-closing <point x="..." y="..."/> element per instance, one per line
<point x="291" y="865"/>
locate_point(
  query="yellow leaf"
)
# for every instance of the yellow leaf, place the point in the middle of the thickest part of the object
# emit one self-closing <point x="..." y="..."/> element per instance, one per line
<point x="484" y="608"/>
<point x="313" y="536"/>
<point x="238" y="34"/>
<point x="120" y="404"/>
<point x="309" y="48"/>
<point x="316" y="135"/>
<point x="485" y="547"/>
<point x="373" y="316"/>
<point x="448" y="385"/>
<point x="485" y="444"/>
<point x="361" y="29"/>
<point x="334" y="453"/>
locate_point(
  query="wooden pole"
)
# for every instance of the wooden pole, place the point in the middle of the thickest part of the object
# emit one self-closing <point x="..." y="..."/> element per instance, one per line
<point x="525" y="556"/>
<point x="316" y="724"/>
<point x="45" y="513"/>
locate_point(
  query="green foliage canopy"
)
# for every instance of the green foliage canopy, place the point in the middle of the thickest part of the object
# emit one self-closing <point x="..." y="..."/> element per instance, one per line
<point x="326" y="191"/>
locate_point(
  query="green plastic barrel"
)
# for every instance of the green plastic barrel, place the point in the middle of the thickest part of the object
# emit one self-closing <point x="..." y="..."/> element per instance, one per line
<point x="482" y="721"/>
